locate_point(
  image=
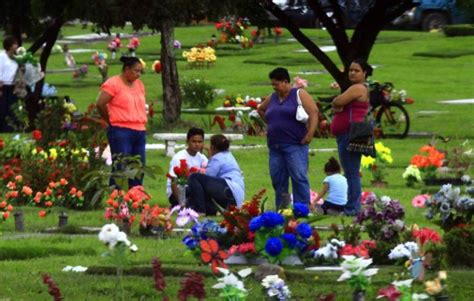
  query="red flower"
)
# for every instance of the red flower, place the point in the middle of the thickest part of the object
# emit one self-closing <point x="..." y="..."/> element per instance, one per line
<point x="42" y="213"/>
<point x="210" y="253"/>
<point x="158" y="276"/>
<point x="252" y="103"/>
<point x="390" y="292"/>
<point x="2" y="143"/>
<point x="426" y="234"/>
<point x="36" y="135"/>
<point x="53" y="289"/>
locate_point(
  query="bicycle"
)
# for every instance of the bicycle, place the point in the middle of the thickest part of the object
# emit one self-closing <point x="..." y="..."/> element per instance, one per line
<point x="391" y="118"/>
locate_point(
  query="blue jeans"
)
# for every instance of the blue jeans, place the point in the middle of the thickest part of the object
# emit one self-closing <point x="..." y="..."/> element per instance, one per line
<point x="350" y="162"/>
<point x="126" y="142"/>
<point x="289" y="161"/>
<point x="204" y="188"/>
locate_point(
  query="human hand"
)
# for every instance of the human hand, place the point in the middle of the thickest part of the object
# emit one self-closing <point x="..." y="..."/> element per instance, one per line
<point x="307" y="139"/>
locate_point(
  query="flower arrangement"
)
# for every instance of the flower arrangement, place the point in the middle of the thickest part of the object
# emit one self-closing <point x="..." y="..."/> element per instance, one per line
<point x="437" y="287"/>
<point x="176" y="44"/>
<point x="182" y="172"/>
<point x="377" y="165"/>
<point x="23" y="57"/>
<point x="156" y="67"/>
<point x="400" y="290"/>
<point x="428" y="161"/>
<point x="452" y="207"/>
<point x="156" y="218"/>
<point x="198" y="92"/>
<point x="81" y="72"/>
<point x="420" y="200"/>
<point x="200" y="56"/>
<point x="124" y="205"/>
<point x="239" y="101"/>
<point x="99" y="60"/>
<point x="133" y="45"/>
<point x="355" y="271"/>
<point x="5" y="210"/>
<point x="232" y="286"/>
<point x="382" y="218"/>
<point x="276" y="288"/>
<point x="232" y="29"/>
<point x="412" y="175"/>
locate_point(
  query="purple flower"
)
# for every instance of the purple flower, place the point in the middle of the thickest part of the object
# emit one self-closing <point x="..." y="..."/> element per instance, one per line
<point x="273" y="246"/>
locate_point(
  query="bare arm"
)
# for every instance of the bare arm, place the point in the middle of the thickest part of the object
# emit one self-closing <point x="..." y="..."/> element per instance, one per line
<point x="102" y="102"/>
<point x="263" y="107"/>
<point x="356" y="92"/>
<point x="312" y="110"/>
<point x="323" y="192"/>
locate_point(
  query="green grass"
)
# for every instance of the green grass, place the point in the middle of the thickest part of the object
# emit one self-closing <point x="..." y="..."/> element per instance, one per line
<point x="243" y="72"/>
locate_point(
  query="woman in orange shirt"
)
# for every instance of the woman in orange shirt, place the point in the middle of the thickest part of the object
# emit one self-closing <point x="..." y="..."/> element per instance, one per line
<point x="121" y="103"/>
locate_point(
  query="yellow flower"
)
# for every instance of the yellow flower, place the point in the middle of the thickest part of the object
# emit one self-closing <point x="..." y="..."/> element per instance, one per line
<point x="34" y="151"/>
<point x="367" y="162"/>
<point x="442" y="275"/>
<point x="433" y="287"/>
<point x="53" y="153"/>
<point x="287" y="212"/>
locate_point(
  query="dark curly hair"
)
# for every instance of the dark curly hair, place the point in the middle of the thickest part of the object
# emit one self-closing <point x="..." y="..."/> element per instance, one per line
<point x="332" y="166"/>
<point x="365" y="66"/>
<point x="220" y="143"/>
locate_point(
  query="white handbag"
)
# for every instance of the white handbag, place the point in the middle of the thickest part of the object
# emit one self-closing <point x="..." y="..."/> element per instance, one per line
<point x="301" y="114"/>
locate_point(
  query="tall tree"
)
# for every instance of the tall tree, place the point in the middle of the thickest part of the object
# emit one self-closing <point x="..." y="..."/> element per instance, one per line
<point x="376" y="15"/>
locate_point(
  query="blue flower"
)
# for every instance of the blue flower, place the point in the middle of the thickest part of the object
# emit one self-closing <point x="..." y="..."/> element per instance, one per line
<point x="272" y="219"/>
<point x="301" y="246"/>
<point x="290" y="239"/>
<point x="300" y="210"/>
<point x="304" y="230"/>
<point x="255" y="223"/>
<point x="273" y="246"/>
<point x="190" y="242"/>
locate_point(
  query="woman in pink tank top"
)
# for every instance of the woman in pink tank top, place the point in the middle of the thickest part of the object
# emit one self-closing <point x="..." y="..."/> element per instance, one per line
<point x="351" y="105"/>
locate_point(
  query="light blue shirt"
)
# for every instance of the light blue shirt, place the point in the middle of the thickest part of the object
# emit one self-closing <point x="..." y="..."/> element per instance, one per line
<point x="337" y="193"/>
<point x="223" y="165"/>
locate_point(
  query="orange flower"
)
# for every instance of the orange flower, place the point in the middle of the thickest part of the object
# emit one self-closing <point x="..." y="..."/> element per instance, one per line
<point x="73" y="191"/>
<point x="14" y="194"/>
<point x="48" y="204"/>
<point x="210" y="253"/>
<point x="27" y="190"/>
<point x="42" y="213"/>
<point x="6" y="215"/>
<point x="3" y="204"/>
<point x="79" y="194"/>
<point x="38" y="197"/>
<point x="115" y="204"/>
<point x="48" y="192"/>
<point x="135" y="205"/>
<point x="11" y="185"/>
<point x="63" y="182"/>
<point x="110" y="202"/>
<point x="52" y="184"/>
<point x="19" y="178"/>
<point x="9" y="208"/>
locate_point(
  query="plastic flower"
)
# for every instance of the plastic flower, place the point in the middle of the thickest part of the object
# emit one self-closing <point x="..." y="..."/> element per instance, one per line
<point x="433" y="287"/>
<point x="272" y="219"/>
<point x="210" y="253"/>
<point x="276" y="287"/>
<point x="255" y="223"/>
<point x="290" y="239"/>
<point x="273" y="246"/>
<point x="304" y="230"/>
<point x="186" y="215"/>
<point x="390" y="292"/>
<point x="419" y="200"/>
<point x="355" y="270"/>
<point x="300" y="210"/>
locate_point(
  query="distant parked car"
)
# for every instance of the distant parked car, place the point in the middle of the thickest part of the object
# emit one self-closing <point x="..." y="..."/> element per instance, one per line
<point x="298" y="11"/>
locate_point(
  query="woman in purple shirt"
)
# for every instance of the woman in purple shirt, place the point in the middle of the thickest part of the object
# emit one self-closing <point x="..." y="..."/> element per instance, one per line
<point x="287" y="138"/>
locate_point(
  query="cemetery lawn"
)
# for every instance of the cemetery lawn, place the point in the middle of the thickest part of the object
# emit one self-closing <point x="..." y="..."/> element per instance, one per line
<point x="25" y="256"/>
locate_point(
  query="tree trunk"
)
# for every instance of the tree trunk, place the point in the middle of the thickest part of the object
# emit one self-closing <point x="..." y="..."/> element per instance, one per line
<point x="169" y="74"/>
<point x="49" y="37"/>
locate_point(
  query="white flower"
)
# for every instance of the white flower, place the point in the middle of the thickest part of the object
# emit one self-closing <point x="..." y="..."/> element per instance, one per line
<point x="185" y="215"/>
<point x="108" y="234"/>
<point x="355" y="266"/>
<point x="399" y="251"/>
<point x="276" y="287"/>
<point x="229" y="279"/>
<point x="403" y="283"/>
<point x="385" y="200"/>
<point x="327" y="252"/>
<point x="339" y="243"/>
<point x="20" y="51"/>
<point x="122" y="237"/>
<point x="466" y="179"/>
<point x="245" y="272"/>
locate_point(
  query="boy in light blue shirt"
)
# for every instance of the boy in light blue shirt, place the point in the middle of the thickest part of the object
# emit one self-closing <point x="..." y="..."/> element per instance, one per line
<point x="336" y="186"/>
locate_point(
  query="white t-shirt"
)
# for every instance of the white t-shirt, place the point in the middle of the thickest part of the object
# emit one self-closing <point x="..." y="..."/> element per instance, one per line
<point x="337" y="193"/>
<point x="8" y="68"/>
<point x="198" y="160"/>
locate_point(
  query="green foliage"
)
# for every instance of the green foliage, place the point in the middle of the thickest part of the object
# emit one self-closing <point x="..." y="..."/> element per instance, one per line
<point x="198" y="93"/>
<point x="445" y="53"/>
<point x="460" y="243"/>
<point x="28" y="252"/>
<point x="459" y="30"/>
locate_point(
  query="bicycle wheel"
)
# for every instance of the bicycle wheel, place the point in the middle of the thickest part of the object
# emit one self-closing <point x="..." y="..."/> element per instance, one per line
<point x="393" y="121"/>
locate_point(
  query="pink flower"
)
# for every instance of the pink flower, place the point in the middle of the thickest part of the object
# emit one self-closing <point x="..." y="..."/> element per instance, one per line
<point x="391" y="293"/>
<point x="367" y="195"/>
<point x="300" y="82"/>
<point x="314" y="196"/>
<point x="419" y="200"/>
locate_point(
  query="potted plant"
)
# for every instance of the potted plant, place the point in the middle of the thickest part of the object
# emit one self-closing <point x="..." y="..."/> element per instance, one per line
<point x="155" y="221"/>
<point x="378" y="164"/>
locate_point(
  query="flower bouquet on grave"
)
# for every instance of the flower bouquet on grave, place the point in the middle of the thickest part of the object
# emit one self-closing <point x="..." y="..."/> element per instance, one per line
<point x="231" y="285"/>
<point x="452" y="207"/>
<point x="437" y="288"/>
<point x="124" y="206"/>
<point x="355" y="271"/>
<point x="155" y="220"/>
<point x="378" y="164"/>
<point x="428" y="161"/>
<point x="99" y="60"/>
<point x="400" y="290"/>
<point x="276" y="288"/>
<point x="200" y="56"/>
<point x="180" y="178"/>
<point x="133" y="45"/>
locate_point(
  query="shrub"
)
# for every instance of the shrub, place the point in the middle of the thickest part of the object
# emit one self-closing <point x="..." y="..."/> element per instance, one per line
<point x="459" y="30"/>
<point x="460" y="243"/>
<point x="198" y="93"/>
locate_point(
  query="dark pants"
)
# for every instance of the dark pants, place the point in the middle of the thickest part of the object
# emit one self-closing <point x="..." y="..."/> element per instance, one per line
<point x="126" y="142"/>
<point x="350" y="162"/>
<point x="328" y="205"/>
<point x="203" y="188"/>
<point x="7" y="99"/>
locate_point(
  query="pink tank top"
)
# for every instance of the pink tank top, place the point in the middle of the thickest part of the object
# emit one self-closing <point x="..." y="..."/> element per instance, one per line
<point x="340" y="122"/>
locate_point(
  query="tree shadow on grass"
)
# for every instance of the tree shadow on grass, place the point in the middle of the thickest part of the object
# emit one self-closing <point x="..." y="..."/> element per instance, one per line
<point x="282" y="61"/>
